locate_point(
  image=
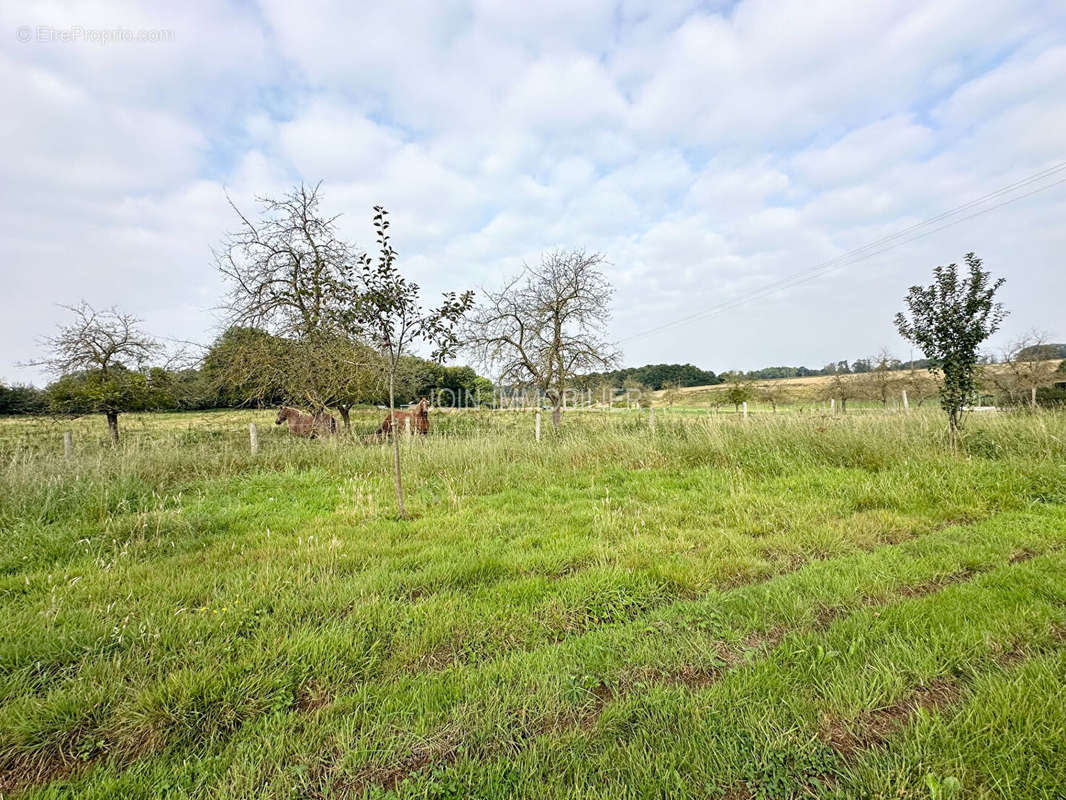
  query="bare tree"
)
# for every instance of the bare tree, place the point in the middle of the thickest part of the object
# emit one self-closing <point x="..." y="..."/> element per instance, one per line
<point x="290" y="276"/>
<point x="100" y="357"/>
<point x="883" y="379"/>
<point x="672" y="394"/>
<point x="841" y="386"/>
<point x="920" y="385"/>
<point x="636" y="392"/>
<point x="284" y="267"/>
<point x="547" y="325"/>
<point x="1027" y="364"/>
<point x="773" y="392"/>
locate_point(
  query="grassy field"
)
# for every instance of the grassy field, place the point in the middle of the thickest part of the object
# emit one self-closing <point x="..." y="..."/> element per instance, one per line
<point x="791" y="606"/>
<point x="810" y="393"/>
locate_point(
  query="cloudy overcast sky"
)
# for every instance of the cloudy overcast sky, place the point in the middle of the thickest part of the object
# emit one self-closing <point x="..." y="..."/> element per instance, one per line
<point x="709" y="150"/>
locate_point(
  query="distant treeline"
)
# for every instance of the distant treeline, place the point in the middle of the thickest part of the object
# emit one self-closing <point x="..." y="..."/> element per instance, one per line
<point x="207" y="387"/>
<point x="201" y="389"/>
<point x="653" y="376"/>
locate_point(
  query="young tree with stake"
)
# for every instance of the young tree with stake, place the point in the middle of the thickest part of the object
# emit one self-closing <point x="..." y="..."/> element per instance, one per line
<point x="948" y="321"/>
<point x="384" y="308"/>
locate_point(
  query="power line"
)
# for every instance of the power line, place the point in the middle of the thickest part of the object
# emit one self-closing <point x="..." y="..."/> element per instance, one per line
<point x="905" y="236"/>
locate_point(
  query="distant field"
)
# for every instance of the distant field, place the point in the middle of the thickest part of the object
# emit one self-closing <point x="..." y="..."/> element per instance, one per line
<point x="803" y="605"/>
<point x="806" y="393"/>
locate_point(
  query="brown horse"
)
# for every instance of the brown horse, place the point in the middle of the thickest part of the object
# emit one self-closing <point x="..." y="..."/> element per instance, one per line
<point x="419" y="418"/>
<point x="301" y="424"/>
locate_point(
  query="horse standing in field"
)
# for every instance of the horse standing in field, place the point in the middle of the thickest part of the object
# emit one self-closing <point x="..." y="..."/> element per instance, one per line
<point x="419" y="418"/>
<point x="301" y="424"/>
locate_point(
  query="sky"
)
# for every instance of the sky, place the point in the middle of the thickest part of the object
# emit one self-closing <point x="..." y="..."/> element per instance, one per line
<point x="709" y="150"/>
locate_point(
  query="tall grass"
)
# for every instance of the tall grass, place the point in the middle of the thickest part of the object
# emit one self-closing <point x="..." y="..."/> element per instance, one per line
<point x="184" y="617"/>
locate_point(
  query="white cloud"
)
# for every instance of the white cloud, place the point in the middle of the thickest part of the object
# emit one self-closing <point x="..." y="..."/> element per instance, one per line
<point x="708" y="151"/>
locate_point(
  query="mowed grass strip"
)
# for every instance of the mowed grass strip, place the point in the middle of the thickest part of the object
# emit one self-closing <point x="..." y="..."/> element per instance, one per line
<point x="759" y="729"/>
<point x="1004" y="738"/>
<point x="377" y="735"/>
<point x="200" y="671"/>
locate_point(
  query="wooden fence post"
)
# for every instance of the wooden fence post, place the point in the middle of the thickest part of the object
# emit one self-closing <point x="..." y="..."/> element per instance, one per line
<point x="68" y="444"/>
<point x="253" y="437"/>
<point x="906" y="405"/>
<point x="407" y="425"/>
<point x="651" y="417"/>
<point x="536" y="425"/>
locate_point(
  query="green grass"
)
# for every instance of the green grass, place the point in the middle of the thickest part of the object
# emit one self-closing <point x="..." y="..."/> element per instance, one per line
<point x="800" y="606"/>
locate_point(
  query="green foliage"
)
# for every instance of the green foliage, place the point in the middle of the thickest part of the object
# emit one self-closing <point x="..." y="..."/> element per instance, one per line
<point x="115" y="391"/>
<point x="1044" y="352"/>
<point x="244" y="367"/>
<point x="949" y="320"/>
<point x="739" y="390"/>
<point x="22" y="400"/>
<point x="452" y="386"/>
<point x="654" y="376"/>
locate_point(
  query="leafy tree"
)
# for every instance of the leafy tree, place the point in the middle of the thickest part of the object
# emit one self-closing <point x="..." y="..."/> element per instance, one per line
<point x="247" y="366"/>
<point x="453" y="386"/>
<point x="384" y="307"/>
<point x="546" y="326"/>
<point x="22" y="400"/>
<point x="101" y="359"/>
<point x="738" y="390"/>
<point x="652" y="376"/>
<point x="948" y="320"/>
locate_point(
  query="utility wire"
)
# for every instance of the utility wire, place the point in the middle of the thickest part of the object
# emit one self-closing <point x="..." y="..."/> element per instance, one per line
<point x="878" y="246"/>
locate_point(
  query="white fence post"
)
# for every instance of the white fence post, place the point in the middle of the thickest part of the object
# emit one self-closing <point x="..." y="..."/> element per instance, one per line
<point x="906" y="405"/>
<point x="745" y="409"/>
<point x="651" y="417"/>
<point x="253" y="437"/>
<point x="536" y="425"/>
<point x="407" y="425"/>
<point x="832" y="405"/>
<point x="68" y="444"/>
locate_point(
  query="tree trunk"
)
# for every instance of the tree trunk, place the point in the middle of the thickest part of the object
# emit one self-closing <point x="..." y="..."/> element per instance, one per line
<point x="395" y="443"/>
<point x="112" y="426"/>
<point x="557" y="412"/>
<point x="345" y="410"/>
<point x="843" y="405"/>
